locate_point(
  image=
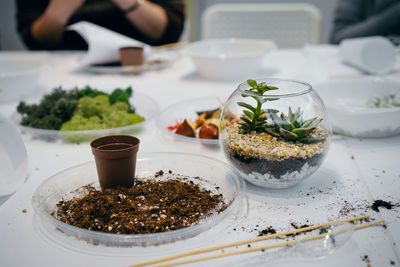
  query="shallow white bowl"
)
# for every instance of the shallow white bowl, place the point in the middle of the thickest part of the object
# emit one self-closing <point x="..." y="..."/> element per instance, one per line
<point x="225" y="59"/>
<point x="19" y="75"/>
<point x="346" y="101"/>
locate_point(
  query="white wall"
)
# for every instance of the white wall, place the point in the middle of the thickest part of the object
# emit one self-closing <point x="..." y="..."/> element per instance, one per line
<point x="9" y="39"/>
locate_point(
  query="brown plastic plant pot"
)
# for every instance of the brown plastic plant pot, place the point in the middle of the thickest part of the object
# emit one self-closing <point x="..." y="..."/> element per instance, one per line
<point x="115" y="157"/>
<point x="131" y="55"/>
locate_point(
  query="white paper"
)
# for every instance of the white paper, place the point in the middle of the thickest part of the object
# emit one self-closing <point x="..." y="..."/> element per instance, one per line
<point x="374" y="55"/>
<point x="104" y="44"/>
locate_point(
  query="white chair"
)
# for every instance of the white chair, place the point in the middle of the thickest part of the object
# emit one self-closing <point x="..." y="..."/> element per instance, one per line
<point x="289" y="25"/>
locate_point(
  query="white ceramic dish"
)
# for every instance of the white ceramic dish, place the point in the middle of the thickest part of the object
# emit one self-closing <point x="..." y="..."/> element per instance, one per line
<point x="225" y="59"/>
<point x="347" y="100"/>
<point x="215" y="175"/>
<point x="144" y="106"/>
<point x="186" y="109"/>
<point x="19" y="75"/>
<point x="155" y="61"/>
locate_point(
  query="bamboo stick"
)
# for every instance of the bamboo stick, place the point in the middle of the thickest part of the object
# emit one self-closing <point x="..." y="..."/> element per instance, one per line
<point x="265" y="247"/>
<point x="238" y="243"/>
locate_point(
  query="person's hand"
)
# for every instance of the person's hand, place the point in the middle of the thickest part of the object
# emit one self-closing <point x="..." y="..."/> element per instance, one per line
<point x="64" y="9"/>
<point x="49" y="27"/>
<point x="123" y="4"/>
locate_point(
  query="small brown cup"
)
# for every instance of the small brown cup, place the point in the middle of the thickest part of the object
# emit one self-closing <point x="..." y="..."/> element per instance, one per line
<point x="115" y="157"/>
<point x="131" y="55"/>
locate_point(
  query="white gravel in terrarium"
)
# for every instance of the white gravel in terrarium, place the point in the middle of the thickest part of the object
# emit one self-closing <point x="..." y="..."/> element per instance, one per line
<point x="288" y="179"/>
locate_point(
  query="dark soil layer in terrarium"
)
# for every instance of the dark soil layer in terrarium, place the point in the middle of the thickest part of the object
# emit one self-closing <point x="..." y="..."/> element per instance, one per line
<point x="150" y="206"/>
<point x="274" y="167"/>
<point x="263" y="153"/>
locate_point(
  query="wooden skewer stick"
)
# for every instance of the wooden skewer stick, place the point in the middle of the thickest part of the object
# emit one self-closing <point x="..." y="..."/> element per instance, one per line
<point x="238" y="243"/>
<point x="265" y="247"/>
<point x="359" y="227"/>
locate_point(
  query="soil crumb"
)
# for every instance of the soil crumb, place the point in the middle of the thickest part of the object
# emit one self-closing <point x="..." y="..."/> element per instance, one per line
<point x="381" y="203"/>
<point x="366" y="259"/>
<point x="267" y="231"/>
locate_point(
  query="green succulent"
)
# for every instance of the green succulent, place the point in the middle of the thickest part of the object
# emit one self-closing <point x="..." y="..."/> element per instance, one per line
<point x="292" y="127"/>
<point x="253" y="118"/>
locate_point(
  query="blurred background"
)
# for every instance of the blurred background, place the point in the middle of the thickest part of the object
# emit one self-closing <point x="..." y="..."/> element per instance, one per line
<point x="10" y="40"/>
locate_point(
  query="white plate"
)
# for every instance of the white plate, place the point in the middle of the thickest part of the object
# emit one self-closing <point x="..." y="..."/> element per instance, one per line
<point x="155" y="61"/>
<point x="144" y="106"/>
<point x="346" y="101"/>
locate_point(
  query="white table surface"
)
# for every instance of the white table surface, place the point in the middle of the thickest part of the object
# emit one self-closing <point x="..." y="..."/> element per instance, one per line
<point x="373" y="174"/>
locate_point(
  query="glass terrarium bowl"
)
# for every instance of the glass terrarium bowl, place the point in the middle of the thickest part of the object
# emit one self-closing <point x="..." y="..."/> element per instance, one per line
<point x="270" y="155"/>
<point x="209" y="173"/>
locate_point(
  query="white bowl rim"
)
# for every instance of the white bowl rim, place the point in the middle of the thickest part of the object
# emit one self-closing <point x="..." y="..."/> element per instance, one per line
<point x="269" y="45"/>
<point x="357" y="110"/>
<point x="308" y="88"/>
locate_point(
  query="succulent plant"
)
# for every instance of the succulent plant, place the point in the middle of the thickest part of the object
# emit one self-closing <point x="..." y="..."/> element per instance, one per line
<point x="292" y="127"/>
<point x="253" y="118"/>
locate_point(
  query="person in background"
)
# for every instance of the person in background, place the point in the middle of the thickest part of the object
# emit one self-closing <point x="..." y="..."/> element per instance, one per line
<point x="42" y="23"/>
<point x="359" y="18"/>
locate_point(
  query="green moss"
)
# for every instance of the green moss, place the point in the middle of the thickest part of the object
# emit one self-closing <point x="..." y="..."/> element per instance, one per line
<point x="94" y="113"/>
<point x="92" y="106"/>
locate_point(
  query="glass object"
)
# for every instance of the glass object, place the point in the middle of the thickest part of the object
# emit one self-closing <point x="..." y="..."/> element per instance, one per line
<point x="334" y="237"/>
<point x="13" y="158"/>
<point x="214" y="175"/>
<point x="330" y="239"/>
<point x="276" y="138"/>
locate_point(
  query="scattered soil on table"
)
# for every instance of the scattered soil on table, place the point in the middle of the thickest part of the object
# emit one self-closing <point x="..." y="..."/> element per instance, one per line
<point x="381" y="203"/>
<point x="366" y="259"/>
<point x="348" y="207"/>
<point x="267" y="231"/>
<point x="150" y="206"/>
<point x="295" y="226"/>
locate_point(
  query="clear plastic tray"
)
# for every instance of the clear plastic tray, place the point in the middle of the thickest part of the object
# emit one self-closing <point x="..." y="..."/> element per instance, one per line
<point x="214" y="174"/>
<point x="144" y="106"/>
<point x="187" y="109"/>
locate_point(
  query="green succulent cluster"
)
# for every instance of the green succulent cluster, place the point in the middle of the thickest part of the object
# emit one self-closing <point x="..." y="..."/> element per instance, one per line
<point x="289" y="127"/>
<point x="292" y="127"/>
